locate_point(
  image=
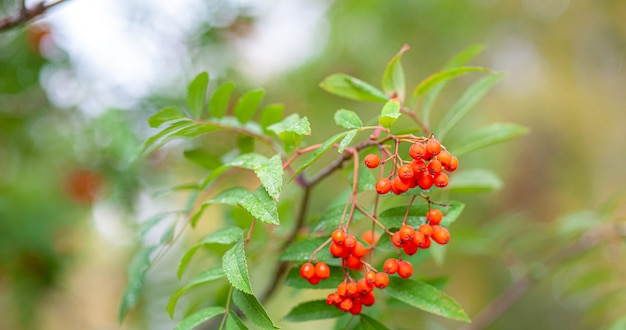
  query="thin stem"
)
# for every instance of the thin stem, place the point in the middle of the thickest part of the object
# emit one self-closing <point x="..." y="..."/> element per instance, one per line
<point x="406" y="215"/>
<point x="26" y="14"/>
<point x="299" y="152"/>
<point x="360" y="208"/>
<point x="423" y="127"/>
<point x="227" y="307"/>
<point x="318" y="249"/>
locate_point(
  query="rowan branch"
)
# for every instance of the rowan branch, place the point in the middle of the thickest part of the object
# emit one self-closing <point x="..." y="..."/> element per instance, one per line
<point x="26" y="15"/>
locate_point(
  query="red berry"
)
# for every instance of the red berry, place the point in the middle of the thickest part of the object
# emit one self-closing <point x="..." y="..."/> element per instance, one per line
<point x="396" y="240"/>
<point x="351" y="289"/>
<point x="363" y="287"/>
<point x="314" y="280"/>
<point x="425" y="229"/>
<point x="339" y="235"/>
<point x="342" y="288"/>
<point x="350" y="242"/>
<point x="369" y="299"/>
<point x="410" y="248"/>
<point x="307" y="270"/>
<point x="406" y="233"/>
<point x="398" y="186"/>
<point x="454" y="163"/>
<point x="359" y="250"/>
<point x="346" y="304"/>
<point x="418" y="166"/>
<point x="405" y="173"/>
<point x="441" y="180"/>
<point x="426" y="244"/>
<point x="370" y="237"/>
<point x="440" y="235"/>
<point x="417" y="150"/>
<point x="433" y="147"/>
<point x="372" y="161"/>
<point x="383" y="186"/>
<point x="419" y="239"/>
<point x="425" y="181"/>
<point x="405" y="269"/>
<point x="390" y="266"/>
<point x="382" y="280"/>
<point x="356" y="307"/>
<point x="444" y="157"/>
<point x="338" y="251"/>
<point x="370" y="277"/>
<point x="434" y="167"/>
<point x="434" y="216"/>
<point x="333" y="298"/>
<point x="353" y="263"/>
<point x="322" y="270"/>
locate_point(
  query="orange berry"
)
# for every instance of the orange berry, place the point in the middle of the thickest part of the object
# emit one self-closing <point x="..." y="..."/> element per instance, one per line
<point x="372" y="161"/>
<point x="417" y="150"/>
<point x="382" y="280"/>
<point x="434" y="167"/>
<point x="405" y="173"/>
<point x="307" y="270"/>
<point x="353" y="263"/>
<point x="410" y="248"/>
<point x="339" y="235"/>
<point x="356" y="307"/>
<point x="370" y="277"/>
<point x="383" y="186"/>
<point x="434" y="216"/>
<point x="396" y="240"/>
<point x="419" y="239"/>
<point x="433" y="147"/>
<point x="441" y="180"/>
<point x="398" y="186"/>
<point x="390" y="266"/>
<point x="338" y="251"/>
<point x="363" y="287"/>
<point x="350" y="242"/>
<point x="370" y="237"/>
<point x="359" y="250"/>
<point x="346" y="304"/>
<point x="426" y="229"/>
<point x="342" y="288"/>
<point x="425" y="181"/>
<point x="454" y="163"/>
<point x="369" y="299"/>
<point x="405" y="269"/>
<point x="333" y="298"/>
<point x="406" y="233"/>
<point x="418" y="166"/>
<point x="444" y="157"/>
<point x="440" y="235"/>
<point x="351" y="289"/>
<point x="314" y="280"/>
<point x="426" y="244"/>
<point x="322" y="270"/>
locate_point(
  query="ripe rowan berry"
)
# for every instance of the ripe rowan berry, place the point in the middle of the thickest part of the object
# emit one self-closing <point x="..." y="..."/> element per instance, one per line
<point x="398" y="186"/>
<point x="441" y="180"/>
<point x="372" y="161"/>
<point x="338" y="251"/>
<point x="370" y="237"/>
<point x="418" y="166"/>
<point x="349" y="243"/>
<point x="383" y="186"/>
<point x="370" y="277"/>
<point x="333" y="298"/>
<point x="434" y="167"/>
<point x="406" y="233"/>
<point x="346" y="304"/>
<point x="339" y="235"/>
<point x="356" y="307"/>
<point x="419" y="239"/>
<point x="390" y="266"/>
<point x="359" y="250"/>
<point x="425" y="181"/>
<point x="405" y="173"/>
<point x="307" y="270"/>
<point x="353" y="263"/>
<point x="440" y="235"/>
<point x="434" y="216"/>
<point x="382" y="280"/>
<point x="444" y="157"/>
<point x="405" y="269"/>
<point x="454" y="163"/>
<point x="322" y="270"/>
<point x="417" y="150"/>
<point x="368" y="299"/>
<point x="425" y="229"/>
<point x="351" y="289"/>
<point x="433" y="147"/>
<point x="363" y="287"/>
<point x="314" y="280"/>
<point x="410" y="248"/>
<point x="342" y="288"/>
<point x="426" y="244"/>
<point x="396" y="240"/>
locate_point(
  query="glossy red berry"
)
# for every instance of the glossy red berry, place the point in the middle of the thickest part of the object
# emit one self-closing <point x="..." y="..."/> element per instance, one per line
<point x="322" y="270"/>
<point x="370" y="237"/>
<point x="338" y="251"/>
<point x="441" y="180"/>
<point x="417" y="150"/>
<point x="444" y="157"/>
<point x="370" y="277"/>
<point x="353" y="263"/>
<point x="351" y="289"/>
<point x="342" y="288"/>
<point x="405" y="269"/>
<point x="425" y="181"/>
<point x="372" y="161"/>
<point x="314" y="280"/>
<point x="440" y="235"/>
<point x="425" y="229"/>
<point x="390" y="266"/>
<point x="419" y="239"/>
<point x="307" y="270"/>
<point x="410" y="248"/>
<point x="339" y="235"/>
<point x="383" y="186"/>
<point x="333" y="298"/>
<point x="396" y="240"/>
<point x="454" y="163"/>
<point x="359" y="250"/>
<point x="406" y="233"/>
<point x="363" y="287"/>
<point x="350" y="242"/>
<point x="434" y="216"/>
<point x="346" y="304"/>
<point x="433" y="147"/>
<point x="434" y="167"/>
<point x="398" y="186"/>
<point x="382" y="280"/>
<point x="369" y="299"/>
<point x="405" y="173"/>
<point x="356" y="307"/>
<point x="418" y="166"/>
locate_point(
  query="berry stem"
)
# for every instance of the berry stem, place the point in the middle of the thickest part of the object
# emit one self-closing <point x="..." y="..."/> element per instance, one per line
<point x="371" y="217"/>
<point x="406" y="215"/>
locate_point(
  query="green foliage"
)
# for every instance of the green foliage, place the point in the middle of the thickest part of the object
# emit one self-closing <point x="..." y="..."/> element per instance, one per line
<point x="253" y="309"/>
<point x="136" y="277"/>
<point x="236" y="267"/>
<point x="349" y="87"/>
<point x="312" y="310"/>
<point x="199" y="317"/>
<point x="196" y="94"/>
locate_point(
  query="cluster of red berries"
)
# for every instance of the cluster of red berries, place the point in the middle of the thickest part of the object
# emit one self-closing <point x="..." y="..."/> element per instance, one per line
<point x="352" y="295"/>
<point x="315" y="273"/>
<point x="424" y="171"/>
<point x="410" y="240"/>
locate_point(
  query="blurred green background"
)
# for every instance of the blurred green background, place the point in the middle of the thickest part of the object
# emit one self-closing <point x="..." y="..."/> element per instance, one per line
<point x="77" y="86"/>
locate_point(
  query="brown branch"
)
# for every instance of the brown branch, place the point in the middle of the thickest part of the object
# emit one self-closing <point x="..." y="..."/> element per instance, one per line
<point x="26" y="15"/>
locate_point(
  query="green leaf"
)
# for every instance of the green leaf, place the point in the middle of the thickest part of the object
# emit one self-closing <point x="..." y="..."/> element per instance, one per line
<point x="393" y="78"/>
<point x="347" y="86"/>
<point x="459" y="60"/>
<point x="368" y="323"/>
<point x="291" y="129"/>
<point x="251" y="307"/>
<point x="477" y="180"/>
<point x="225" y="236"/>
<point x="294" y="279"/>
<point x="261" y="206"/>
<point x="313" y="310"/>
<point x="231" y="196"/>
<point x="148" y="145"/>
<point x="202" y="278"/>
<point x="389" y="114"/>
<point x="366" y="182"/>
<point x="137" y="270"/>
<point x="425" y="297"/>
<point x="320" y="151"/>
<point x="147" y="225"/>
<point x="490" y="135"/>
<point x="247" y="105"/>
<point x="301" y="251"/>
<point x="270" y="174"/>
<point x="236" y="268"/>
<point x="199" y="317"/>
<point x="249" y="161"/>
<point x="332" y="216"/>
<point x="467" y="101"/>
<point x="220" y="98"/>
<point x="271" y="114"/>
<point x="196" y="94"/>
<point x="233" y="322"/>
<point x="443" y="76"/>
<point x="393" y="216"/>
<point x="203" y="158"/>
<point x="348" y="119"/>
<point x="245" y="143"/>
<point x="347" y="140"/>
<point x="164" y="115"/>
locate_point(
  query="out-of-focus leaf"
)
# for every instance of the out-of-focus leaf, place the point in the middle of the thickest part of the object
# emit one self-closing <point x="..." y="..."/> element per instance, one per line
<point x="332" y="216"/>
<point x="467" y="101"/>
<point x="245" y="143"/>
<point x="444" y="76"/>
<point x="224" y="236"/>
<point x="347" y="86"/>
<point x="261" y="206"/>
<point x="200" y="317"/>
<point x="251" y="307"/>
<point x="236" y="268"/>
<point x="294" y="279"/>
<point x="425" y="297"/>
<point x="137" y="270"/>
<point x="202" y="278"/>
<point x="164" y="115"/>
<point x="271" y="114"/>
<point x="368" y="323"/>
<point x="477" y="180"/>
<point x="348" y="119"/>
<point x="147" y="225"/>
<point x="247" y="105"/>
<point x="233" y="322"/>
<point x="196" y="94"/>
<point x="220" y="98"/>
<point x="313" y="310"/>
<point x="490" y="135"/>
<point x="393" y="78"/>
<point x="231" y="196"/>
<point x="393" y="216"/>
<point x="389" y="114"/>
<point x="347" y="140"/>
<point x="301" y="251"/>
<point x="203" y="158"/>
<point x="320" y="151"/>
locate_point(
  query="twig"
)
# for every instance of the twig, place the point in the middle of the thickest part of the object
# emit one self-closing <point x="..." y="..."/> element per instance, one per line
<point x="26" y="14"/>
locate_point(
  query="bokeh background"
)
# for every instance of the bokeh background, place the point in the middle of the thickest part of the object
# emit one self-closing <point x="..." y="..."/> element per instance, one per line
<point x="77" y="86"/>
